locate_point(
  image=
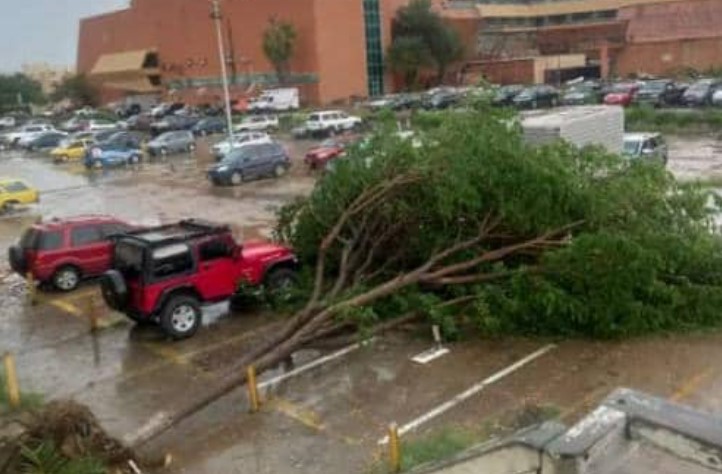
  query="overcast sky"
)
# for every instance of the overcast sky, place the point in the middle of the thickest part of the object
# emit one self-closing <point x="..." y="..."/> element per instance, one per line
<point x="44" y="30"/>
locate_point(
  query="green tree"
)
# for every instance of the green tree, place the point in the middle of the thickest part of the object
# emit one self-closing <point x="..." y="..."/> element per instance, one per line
<point x="443" y="45"/>
<point x="407" y="56"/>
<point x="18" y="91"/>
<point x="279" y="45"/>
<point x="77" y="89"/>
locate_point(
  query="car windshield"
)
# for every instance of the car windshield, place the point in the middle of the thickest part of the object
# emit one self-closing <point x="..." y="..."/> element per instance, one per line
<point x="654" y="86"/>
<point x="128" y="258"/>
<point x="631" y="146"/>
<point x="622" y="88"/>
<point x="235" y="157"/>
<point x="313" y="118"/>
<point x="165" y="137"/>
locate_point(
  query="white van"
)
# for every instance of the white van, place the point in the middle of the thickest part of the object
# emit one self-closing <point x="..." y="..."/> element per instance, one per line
<point x="276" y="100"/>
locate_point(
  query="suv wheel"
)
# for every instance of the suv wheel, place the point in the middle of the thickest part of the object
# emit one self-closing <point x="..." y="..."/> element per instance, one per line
<point x="66" y="278"/>
<point x="134" y="159"/>
<point x="236" y="178"/>
<point x="279" y="171"/>
<point x="181" y="317"/>
<point x="191" y="147"/>
<point x="97" y="164"/>
<point x="279" y="282"/>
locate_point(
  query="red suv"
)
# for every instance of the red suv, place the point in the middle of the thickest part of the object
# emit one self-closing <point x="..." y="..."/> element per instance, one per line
<point x="163" y="274"/>
<point x="317" y="157"/>
<point x="63" y="251"/>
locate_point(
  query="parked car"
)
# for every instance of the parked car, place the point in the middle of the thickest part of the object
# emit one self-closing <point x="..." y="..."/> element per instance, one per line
<point x="209" y="126"/>
<point x="318" y="156"/>
<point x="109" y="154"/>
<point x="581" y="94"/>
<point x="165" y="108"/>
<point x="647" y="146"/>
<point x="221" y="149"/>
<point x="257" y="123"/>
<point x="504" y="95"/>
<point x="331" y="122"/>
<point x="442" y="98"/>
<point x="275" y="100"/>
<point x="26" y="132"/>
<point x="173" y="122"/>
<point x="64" y="251"/>
<point x="405" y="102"/>
<point x="164" y="274"/>
<point x="621" y="93"/>
<point x="140" y="122"/>
<point x="14" y="192"/>
<point x="127" y="138"/>
<point x="71" y="149"/>
<point x="74" y="124"/>
<point x="97" y="125"/>
<point x="103" y="135"/>
<point x="717" y="98"/>
<point x="172" y="142"/>
<point x="658" y="93"/>
<point x="700" y="93"/>
<point x="250" y="162"/>
<point x="537" y="96"/>
<point x="8" y="122"/>
<point x="45" y="141"/>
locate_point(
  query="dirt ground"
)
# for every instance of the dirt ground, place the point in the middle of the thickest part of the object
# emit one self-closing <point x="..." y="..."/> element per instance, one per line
<point x="327" y="420"/>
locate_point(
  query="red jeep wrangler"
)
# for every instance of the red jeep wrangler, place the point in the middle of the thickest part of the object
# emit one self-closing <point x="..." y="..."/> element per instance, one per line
<point x="163" y="274"/>
<point x="62" y="251"/>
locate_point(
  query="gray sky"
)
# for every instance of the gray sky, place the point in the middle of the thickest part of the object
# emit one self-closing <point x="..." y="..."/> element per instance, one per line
<point x="44" y="30"/>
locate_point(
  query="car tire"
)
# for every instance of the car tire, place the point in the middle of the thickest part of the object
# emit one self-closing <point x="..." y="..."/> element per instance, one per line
<point x="97" y="164"/>
<point x="66" y="278"/>
<point x="164" y="151"/>
<point x="8" y="207"/>
<point x="191" y="148"/>
<point x="279" y="281"/>
<point x="134" y="159"/>
<point x="279" y="171"/>
<point x="64" y="158"/>
<point x="181" y="317"/>
<point x="236" y="178"/>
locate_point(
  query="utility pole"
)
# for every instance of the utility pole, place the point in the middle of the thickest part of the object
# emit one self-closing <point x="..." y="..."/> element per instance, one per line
<point x="216" y="16"/>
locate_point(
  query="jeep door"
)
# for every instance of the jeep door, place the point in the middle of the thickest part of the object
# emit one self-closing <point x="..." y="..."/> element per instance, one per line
<point x="90" y="249"/>
<point x="216" y="279"/>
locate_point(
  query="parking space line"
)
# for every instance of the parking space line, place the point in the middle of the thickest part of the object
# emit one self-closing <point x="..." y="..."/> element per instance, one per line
<point x="305" y="416"/>
<point x="691" y="385"/>
<point x="470" y="392"/>
<point x="74" y="310"/>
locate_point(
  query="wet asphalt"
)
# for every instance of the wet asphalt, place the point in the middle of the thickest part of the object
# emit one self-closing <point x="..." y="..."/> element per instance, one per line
<point x="327" y="420"/>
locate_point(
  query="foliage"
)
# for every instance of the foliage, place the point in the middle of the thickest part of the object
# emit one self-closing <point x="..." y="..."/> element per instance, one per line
<point x="279" y="44"/>
<point x="421" y="38"/>
<point x="78" y="90"/>
<point x="27" y="400"/>
<point x="47" y="459"/>
<point x="17" y="91"/>
<point x="646" y="118"/>
<point x="545" y="241"/>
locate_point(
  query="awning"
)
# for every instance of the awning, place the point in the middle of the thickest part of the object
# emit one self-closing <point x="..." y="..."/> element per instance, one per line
<point x="127" y="62"/>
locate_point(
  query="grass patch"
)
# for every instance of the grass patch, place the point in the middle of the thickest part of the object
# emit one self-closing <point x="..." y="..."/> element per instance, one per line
<point x="673" y="121"/>
<point x="28" y="400"/>
<point x="47" y="459"/>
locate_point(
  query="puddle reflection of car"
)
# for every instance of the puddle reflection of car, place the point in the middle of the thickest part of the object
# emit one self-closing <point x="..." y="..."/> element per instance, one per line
<point x="112" y="154"/>
<point x="15" y="192"/>
<point x="646" y="146"/>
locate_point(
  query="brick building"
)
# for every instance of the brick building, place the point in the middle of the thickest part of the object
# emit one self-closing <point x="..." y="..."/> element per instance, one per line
<point x="169" y="46"/>
<point x="540" y="41"/>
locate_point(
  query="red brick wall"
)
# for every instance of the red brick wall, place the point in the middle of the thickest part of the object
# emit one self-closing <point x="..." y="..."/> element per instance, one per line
<point x="669" y="56"/>
<point x="677" y="20"/>
<point x="519" y="71"/>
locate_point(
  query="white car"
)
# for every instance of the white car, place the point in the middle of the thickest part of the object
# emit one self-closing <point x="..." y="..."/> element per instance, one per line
<point x="8" y="122"/>
<point x="331" y="121"/>
<point x="26" y="133"/>
<point x="220" y="149"/>
<point x="717" y="98"/>
<point x="98" y="125"/>
<point x="257" y="123"/>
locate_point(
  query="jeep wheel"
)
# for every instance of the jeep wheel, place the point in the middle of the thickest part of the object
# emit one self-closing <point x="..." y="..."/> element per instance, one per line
<point x="66" y="278"/>
<point x="181" y="317"/>
<point x="236" y="178"/>
<point x="279" y="283"/>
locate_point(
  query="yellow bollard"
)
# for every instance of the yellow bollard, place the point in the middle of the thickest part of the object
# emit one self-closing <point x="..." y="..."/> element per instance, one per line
<point x="252" y="388"/>
<point x="394" y="449"/>
<point x="32" y="289"/>
<point x="11" y="380"/>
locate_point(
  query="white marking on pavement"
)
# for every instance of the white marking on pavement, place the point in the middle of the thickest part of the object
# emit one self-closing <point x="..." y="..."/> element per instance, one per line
<point x="470" y="392"/>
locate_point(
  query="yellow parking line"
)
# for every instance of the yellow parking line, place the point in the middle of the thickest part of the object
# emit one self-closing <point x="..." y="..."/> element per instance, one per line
<point x="74" y="310"/>
<point x="691" y="385"/>
<point x="306" y="417"/>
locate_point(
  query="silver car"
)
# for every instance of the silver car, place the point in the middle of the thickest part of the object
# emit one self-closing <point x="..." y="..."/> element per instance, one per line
<point x="172" y="142"/>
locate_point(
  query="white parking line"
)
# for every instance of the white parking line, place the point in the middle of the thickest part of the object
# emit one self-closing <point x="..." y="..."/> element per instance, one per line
<point x="470" y="392"/>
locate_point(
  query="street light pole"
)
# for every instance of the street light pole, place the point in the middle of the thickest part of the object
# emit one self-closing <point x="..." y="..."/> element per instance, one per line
<point x="217" y="16"/>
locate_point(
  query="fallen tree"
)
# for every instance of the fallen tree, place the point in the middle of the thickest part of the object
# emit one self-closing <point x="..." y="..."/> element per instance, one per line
<point x="476" y="225"/>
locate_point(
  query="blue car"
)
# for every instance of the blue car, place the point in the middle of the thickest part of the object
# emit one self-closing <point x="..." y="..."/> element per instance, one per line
<point x="112" y="154"/>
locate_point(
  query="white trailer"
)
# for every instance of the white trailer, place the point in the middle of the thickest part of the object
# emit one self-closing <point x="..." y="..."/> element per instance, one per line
<point x="275" y="100"/>
<point x="580" y="126"/>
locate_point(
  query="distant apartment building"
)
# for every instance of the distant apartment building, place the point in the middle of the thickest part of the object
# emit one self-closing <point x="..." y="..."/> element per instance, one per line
<point x="169" y="47"/>
<point x="553" y="40"/>
<point x="48" y="76"/>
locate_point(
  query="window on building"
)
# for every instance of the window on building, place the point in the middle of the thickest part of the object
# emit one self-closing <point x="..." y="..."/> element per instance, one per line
<point x="374" y="48"/>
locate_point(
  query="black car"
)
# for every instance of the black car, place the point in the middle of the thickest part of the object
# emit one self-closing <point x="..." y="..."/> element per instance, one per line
<point x="658" y="93"/>
<point x="406" y="102"/>
<point x="700" y="93"/>
<point x="250" y="162"/>
<point x="173" y="122"/>
<point x="209" y="126"/>
<point x="46" y="141"/>
<point x="504" y="95"/>
<point x="442" y="99"/>
<point x="537" y="96"/>
<point x="582" y="94"/>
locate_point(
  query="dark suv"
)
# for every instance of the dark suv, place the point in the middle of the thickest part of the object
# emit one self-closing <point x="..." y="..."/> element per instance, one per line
<point x="62" y="251"/>
<point x="164" y="274"/>
<point x="250" y="162"/>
